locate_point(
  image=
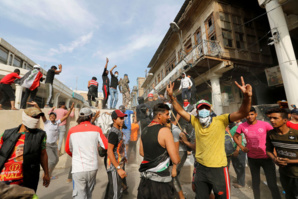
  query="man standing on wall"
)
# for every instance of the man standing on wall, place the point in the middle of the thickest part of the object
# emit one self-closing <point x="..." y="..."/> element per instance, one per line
<point x="49" y="83"/>
<point x="92" y="90"/>
<point x="185" y="86"/>
<point x="105" y="85"/>
<point x="124" y="89"/>
<point x="113" y="88"/>
<point x="6" y="89"/>
<point x="31" y="81"/>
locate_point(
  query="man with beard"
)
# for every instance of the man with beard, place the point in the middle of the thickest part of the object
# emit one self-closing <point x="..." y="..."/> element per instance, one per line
<point x="211" y="170"/>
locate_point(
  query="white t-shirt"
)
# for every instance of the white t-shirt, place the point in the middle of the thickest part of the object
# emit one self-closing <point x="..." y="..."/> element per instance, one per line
<point x="52" y="130"/>
<point x="185" y="83"/>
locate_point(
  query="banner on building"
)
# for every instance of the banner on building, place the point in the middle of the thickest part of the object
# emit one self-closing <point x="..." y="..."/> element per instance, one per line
<point x="273" y="76"/>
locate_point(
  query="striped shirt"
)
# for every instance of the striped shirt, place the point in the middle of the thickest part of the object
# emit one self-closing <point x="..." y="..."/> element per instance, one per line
<point x="286" y="146"/>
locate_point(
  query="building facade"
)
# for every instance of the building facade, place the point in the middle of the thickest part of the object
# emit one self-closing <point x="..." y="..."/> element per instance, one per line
<point x="11" y="58"/>
<point x="217" y="42"/>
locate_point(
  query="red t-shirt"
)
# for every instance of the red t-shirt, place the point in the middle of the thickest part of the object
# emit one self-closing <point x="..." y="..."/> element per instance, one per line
<point x="292" y="125"/>
<point x="9" y="79"/>
<point x="13" y="168"/>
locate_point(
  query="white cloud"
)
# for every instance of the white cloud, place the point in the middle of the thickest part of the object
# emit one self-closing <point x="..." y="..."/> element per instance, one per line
<point x="149" y="35"/>
<point x="81" y="41"/>
<point x="70" y="15"/>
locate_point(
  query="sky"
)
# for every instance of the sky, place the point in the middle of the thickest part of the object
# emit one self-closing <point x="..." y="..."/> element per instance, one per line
<point x="80" y="34"/>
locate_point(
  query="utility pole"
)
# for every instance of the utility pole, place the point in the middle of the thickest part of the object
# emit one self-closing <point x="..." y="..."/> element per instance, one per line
<point x="283" y="47"/>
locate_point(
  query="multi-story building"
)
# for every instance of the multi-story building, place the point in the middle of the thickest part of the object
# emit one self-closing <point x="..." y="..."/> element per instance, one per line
<point x="11" y="58"/>
<point x="216" y="42"/>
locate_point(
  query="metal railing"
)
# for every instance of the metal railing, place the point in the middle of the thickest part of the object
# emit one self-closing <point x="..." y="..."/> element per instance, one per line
<point x="206" y="48"/>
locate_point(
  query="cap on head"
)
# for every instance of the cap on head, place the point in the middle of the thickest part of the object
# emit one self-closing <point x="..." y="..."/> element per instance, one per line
<point x="85" y="112"/>
<point x="150" y="95"/>
<point x="117" y="113"/>
<point x="202" y="102"/>
<point x="36" y="66"/>
<point x="32" y="111"/>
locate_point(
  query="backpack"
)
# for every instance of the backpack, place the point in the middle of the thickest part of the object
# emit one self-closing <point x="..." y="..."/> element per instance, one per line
<point x="229" y="147"/>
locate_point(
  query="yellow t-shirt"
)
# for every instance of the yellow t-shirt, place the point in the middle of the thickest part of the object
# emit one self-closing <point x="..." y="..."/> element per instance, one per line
<point x="210" y="142"/>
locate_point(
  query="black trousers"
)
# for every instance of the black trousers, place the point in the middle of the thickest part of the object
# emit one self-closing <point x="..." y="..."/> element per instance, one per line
<point x="28" y="93"/>
<point x="216" y="179"/>
<point x="290" y="185"/>
<point x="105" y="90"/>
<point x="186" y="94"/>
<point x="7" y="93"/>
<point x="270" y="173"/>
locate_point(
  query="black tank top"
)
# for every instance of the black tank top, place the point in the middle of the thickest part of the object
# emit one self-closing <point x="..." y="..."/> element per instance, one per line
<point x="151" y="147"/>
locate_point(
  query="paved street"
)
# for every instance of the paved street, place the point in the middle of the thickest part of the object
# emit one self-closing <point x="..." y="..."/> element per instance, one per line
<point x="60" y="189"/>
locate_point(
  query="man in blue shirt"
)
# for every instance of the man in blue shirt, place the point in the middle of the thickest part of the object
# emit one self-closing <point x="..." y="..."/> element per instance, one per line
<point x="127" y="127"/>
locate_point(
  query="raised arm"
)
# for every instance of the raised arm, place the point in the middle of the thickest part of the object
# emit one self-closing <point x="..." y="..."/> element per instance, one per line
<point x="60" y="69"/>
<point x="68" y="113"/>
<point x="106" y="66"/>
<point x="175" y="104"/>
<point x="246" y="102"/>
<point x="95" y="117"/>
<point x="111" y="71"/>
<point x="32" y="103"/>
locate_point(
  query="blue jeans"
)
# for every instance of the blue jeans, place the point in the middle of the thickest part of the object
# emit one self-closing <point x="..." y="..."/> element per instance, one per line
<point x="114" y="98"/>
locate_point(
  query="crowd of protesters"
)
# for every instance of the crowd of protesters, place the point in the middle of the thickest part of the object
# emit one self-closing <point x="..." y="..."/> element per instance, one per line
<point x="167" y="132"/>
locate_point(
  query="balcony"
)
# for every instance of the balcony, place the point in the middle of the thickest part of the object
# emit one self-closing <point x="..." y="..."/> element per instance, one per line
<point x="200" y="58"/>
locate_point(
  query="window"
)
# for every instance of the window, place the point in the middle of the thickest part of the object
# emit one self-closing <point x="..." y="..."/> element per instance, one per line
<point x="237" y="23"/>
<point x="198" y="36"/>
<point x="225" y="21"/>
<point x="170" y="63"/>
<point x="210" y="27"/>
<point x="239" y="40"/>
<point x="188" y="46"/>
<point x="17" y="62"/>
<point x="180" y="55"/>
<point x="227" y="38"/>
<point x="3" y="55"/>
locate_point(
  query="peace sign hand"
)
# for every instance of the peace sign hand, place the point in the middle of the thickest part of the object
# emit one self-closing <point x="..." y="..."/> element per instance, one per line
<point x="245" y="88"/>
<point x="170" y="88"/>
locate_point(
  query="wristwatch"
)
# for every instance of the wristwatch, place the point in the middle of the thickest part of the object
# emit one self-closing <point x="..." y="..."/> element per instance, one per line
<point x="118" y="167"/>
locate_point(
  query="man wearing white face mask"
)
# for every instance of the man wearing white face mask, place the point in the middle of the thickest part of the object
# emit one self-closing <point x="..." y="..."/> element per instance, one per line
<point x="211" y="170"/>
<point x="23" y="150"/>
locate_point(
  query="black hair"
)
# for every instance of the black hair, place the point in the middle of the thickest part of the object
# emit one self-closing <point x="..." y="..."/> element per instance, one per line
<point x="16" y="71"/>
<point x="94" y="78"/>
<point x="160" y="108"/>
<point x="84" y="118"/>
<point x="53" y="67"/>
<point x="283" y="112"/>
<point x="61" y="104"/>
<point x="252" y="109"/>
